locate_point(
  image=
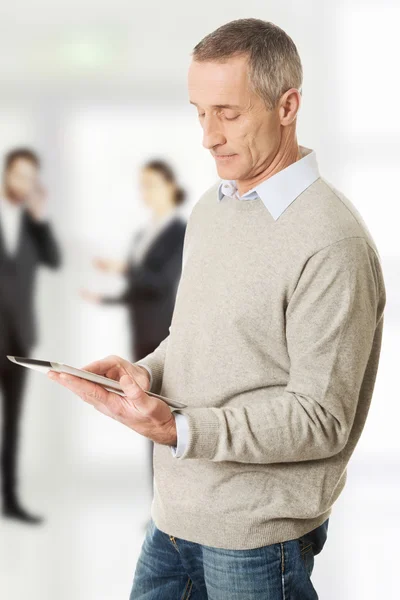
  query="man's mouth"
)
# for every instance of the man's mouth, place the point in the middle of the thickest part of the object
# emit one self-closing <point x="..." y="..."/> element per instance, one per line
<point x="223" y="157"/>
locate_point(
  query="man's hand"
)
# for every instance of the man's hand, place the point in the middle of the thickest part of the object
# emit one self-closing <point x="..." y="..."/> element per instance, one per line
<point x="145" y="414"/>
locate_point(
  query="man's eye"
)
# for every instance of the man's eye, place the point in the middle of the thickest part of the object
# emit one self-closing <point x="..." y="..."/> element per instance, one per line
<point x="201" y="115"/>
<point x="232" y="118"/>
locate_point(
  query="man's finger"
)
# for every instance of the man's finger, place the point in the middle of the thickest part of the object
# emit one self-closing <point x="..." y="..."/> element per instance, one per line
<point x="106" y="402"/>
<point x="102" y="366"/>
<point x="143" y="403"/>
<point x="85" y="389"/>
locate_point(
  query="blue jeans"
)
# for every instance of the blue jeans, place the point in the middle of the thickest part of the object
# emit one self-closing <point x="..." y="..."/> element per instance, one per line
<point x="171" y="568"/>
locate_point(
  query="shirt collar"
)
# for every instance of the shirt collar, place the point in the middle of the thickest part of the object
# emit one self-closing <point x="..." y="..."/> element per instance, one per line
<point x="281" y="189"/>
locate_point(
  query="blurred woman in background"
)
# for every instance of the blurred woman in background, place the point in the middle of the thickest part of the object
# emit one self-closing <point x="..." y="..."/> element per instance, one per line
<point x="153" y="266"/>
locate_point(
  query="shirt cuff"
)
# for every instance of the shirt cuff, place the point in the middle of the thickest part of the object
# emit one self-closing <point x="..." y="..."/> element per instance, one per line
<point x="182" y="434"/>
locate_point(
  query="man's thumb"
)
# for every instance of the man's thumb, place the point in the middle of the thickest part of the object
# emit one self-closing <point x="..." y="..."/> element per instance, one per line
<point x="130" y="387"/>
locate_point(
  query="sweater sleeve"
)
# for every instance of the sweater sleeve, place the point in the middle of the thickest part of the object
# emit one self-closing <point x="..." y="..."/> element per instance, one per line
<point x="331" y="322"/>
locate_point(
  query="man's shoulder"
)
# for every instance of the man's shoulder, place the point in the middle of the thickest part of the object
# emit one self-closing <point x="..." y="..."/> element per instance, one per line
<point x="349" y="214"/>
<point x="324" y="215"/>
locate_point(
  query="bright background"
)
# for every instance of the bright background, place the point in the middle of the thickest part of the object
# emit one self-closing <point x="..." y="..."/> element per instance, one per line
<point x="98" y="87"/>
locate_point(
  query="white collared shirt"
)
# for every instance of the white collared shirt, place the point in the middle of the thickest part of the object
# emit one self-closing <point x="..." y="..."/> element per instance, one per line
<point x="282" y="188"/>
<point x="10" y="222"/>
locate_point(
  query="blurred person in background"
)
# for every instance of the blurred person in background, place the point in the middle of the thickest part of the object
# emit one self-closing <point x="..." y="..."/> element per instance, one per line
<point x="274" y="345"/>
<point x="153" y="266"/>
<point x="26" y="242"/>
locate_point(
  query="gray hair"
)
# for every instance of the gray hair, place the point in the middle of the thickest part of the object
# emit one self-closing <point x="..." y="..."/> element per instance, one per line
<point x="274" y="63"/>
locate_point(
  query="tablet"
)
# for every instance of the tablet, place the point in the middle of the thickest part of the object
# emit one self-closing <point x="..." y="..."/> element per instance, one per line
<point x="109" y="384"/>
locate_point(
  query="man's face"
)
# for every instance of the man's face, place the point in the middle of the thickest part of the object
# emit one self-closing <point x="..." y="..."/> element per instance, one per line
<point x="20" y="179"/>
<point x="241" y="134"/>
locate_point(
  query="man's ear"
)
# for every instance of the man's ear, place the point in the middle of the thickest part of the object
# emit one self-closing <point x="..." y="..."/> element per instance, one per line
<point x="289" y="106"/>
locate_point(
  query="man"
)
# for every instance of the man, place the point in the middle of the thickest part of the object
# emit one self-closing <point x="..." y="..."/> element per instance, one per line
<point x="26" y="241"/>
<point x="273" y="346"/>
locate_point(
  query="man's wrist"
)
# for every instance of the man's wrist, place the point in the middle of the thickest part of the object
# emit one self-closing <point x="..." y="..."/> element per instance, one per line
<point x="174" y="439"/>
<point x="169" y="436"/>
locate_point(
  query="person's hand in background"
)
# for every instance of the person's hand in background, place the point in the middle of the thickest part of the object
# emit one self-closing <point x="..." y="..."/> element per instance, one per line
<point x="145" y="414"/>
<point x="90" y="296"/>
<point x="108" y="265"/>
<point x="36" y="203"/>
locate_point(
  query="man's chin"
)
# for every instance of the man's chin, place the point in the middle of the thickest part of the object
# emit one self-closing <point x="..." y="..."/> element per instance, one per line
<point x="227" y="170"/>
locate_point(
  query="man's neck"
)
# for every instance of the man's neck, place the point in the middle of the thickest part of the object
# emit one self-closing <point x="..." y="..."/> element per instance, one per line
<point x="287" y="154"/>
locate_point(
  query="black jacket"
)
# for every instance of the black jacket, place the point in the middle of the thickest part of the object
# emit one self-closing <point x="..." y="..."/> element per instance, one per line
<point x="152" y="285"/>
<point x="36" y="246"/>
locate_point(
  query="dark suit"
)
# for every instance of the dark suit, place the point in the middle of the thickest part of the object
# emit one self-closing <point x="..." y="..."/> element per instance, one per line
<point x="151" y="290"/>
<point x="36" y="245"/>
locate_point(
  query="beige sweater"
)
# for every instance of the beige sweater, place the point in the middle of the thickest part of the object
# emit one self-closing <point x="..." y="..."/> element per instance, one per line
<point x="274" y="346"/>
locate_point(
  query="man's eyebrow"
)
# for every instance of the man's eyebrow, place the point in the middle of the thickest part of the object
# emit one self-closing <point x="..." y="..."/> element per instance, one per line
<point x="221" y="105"/>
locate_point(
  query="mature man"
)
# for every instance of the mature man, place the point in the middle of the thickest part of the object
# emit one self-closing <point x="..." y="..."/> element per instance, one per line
<point x="26" y="242"/>
<point x="274" y="345"/>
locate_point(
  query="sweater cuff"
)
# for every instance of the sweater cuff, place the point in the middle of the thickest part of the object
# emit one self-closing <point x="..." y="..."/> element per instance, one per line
<point x="203" y="433"/>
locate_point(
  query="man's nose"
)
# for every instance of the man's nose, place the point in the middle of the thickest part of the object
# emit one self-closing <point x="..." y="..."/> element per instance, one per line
<point x="212" y="135"/>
